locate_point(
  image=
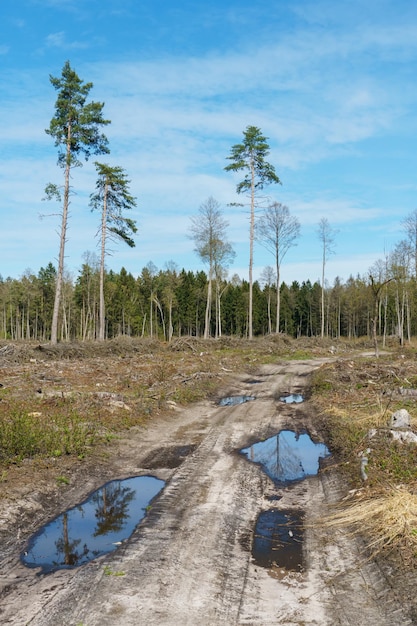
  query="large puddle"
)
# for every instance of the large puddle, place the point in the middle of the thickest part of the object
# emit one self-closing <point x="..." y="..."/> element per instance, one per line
<point x="287" y="456"/>
<point x="278" y="540"/>
<point x="93" y="528"/>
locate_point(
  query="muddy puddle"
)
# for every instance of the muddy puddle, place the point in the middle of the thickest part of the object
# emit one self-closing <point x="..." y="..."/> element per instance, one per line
<point x="93" y="528"/>
<point x="234" y="400"/>
<point x="278" y="540"/>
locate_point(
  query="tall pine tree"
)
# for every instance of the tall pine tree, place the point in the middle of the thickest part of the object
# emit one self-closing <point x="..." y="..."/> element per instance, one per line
<point x="76" y="128"/>
<point x="249" y="156"/>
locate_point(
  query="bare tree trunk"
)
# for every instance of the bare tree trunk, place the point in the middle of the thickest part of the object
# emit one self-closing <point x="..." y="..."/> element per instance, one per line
<point x="374" y="332"/>
<point x="219" y="312"/>
<point x="217" y="303"/>
<point x="385" y="321"/>
<point x="83" y="323"/>
<point x="339" y="316"/>
<point x="207" y="319"/>
<point x="159" y="307"/>
<point x="278" y="297"/>
<point x="251" y="240"/>
<point x="170" y="326"/>
<point x="400" y="318"/>
<point x="102" y="260"/>
<point x="408" y="316"/>
<point x="64" y="331"/>
<point x="151" y="314"/>
<point x="60" y="273"/>
<point x="322" y="294"/>
<point x="269" y="311"/>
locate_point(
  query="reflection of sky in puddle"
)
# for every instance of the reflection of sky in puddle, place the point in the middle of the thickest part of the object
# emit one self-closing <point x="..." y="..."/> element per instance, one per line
<point x="287" y="456"/>
<point x="292" y="398"/>
<point x="233" y="400"/>
<point x="94" y="527"/>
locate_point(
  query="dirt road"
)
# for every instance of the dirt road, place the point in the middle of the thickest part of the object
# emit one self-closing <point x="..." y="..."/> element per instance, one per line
<point x="190" y="561"/>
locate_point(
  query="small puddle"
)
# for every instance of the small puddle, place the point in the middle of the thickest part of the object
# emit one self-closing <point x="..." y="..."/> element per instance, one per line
<point x="287" y="456"/>
<point x="274" y="497"/>
<point x="93" y="528"/>
<point x="278" y="540"/>
<point x="233" y="400"/>
<point x="292" y="398"/>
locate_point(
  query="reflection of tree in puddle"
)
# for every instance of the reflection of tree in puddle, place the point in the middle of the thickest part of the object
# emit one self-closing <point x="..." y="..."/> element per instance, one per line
<point x="112" y="507"/>
<point x="93" y="528"/>
<point x="68" y="548"/>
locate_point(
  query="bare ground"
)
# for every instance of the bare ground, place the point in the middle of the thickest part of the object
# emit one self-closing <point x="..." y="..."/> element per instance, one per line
<point x="190" y="561"/>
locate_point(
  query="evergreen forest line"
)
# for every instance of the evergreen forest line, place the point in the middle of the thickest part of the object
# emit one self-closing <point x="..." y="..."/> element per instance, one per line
<point x="170" y="303"/>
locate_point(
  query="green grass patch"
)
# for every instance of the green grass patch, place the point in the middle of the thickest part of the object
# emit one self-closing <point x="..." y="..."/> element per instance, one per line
<point x="62" y="480"/>
<point x="391" y="461"/>
<point x="299" y="355"/>
<point x="25" y="435"/>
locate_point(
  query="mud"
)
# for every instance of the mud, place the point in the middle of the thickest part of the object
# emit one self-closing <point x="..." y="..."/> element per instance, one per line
<point x="190" y="560"/>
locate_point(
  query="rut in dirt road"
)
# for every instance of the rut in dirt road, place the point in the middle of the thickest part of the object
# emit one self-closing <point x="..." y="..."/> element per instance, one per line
<point x="190" y="561"/>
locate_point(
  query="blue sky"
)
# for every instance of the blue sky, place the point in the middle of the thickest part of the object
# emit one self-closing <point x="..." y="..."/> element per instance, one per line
<point x="331" y="84"/>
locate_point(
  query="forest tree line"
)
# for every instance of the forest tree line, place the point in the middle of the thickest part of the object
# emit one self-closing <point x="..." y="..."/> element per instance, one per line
<point x="169" y="303"/>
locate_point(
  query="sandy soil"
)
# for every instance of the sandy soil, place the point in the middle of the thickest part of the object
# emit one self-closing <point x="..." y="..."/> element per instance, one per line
<point x="190" y="560"/>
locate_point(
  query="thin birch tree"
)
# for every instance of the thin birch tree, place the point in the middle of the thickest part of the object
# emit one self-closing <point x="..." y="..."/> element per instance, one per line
<point x="208" y="231"/>
<point x="326" y="235"/>
<point x="277" y="230"/>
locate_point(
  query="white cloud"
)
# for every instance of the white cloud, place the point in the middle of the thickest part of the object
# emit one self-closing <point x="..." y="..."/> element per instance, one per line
<point x="55" y="40"/>
<point x="59" y="40"/>
<point x="337" y="210"/>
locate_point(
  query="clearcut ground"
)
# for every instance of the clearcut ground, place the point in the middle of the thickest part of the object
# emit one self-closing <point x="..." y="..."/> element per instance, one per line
<point x="190" y="560"/>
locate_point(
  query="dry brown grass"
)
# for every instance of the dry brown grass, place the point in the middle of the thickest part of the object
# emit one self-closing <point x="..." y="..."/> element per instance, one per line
<point x="386" y="518"/>
<point x="352" y="397"/>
